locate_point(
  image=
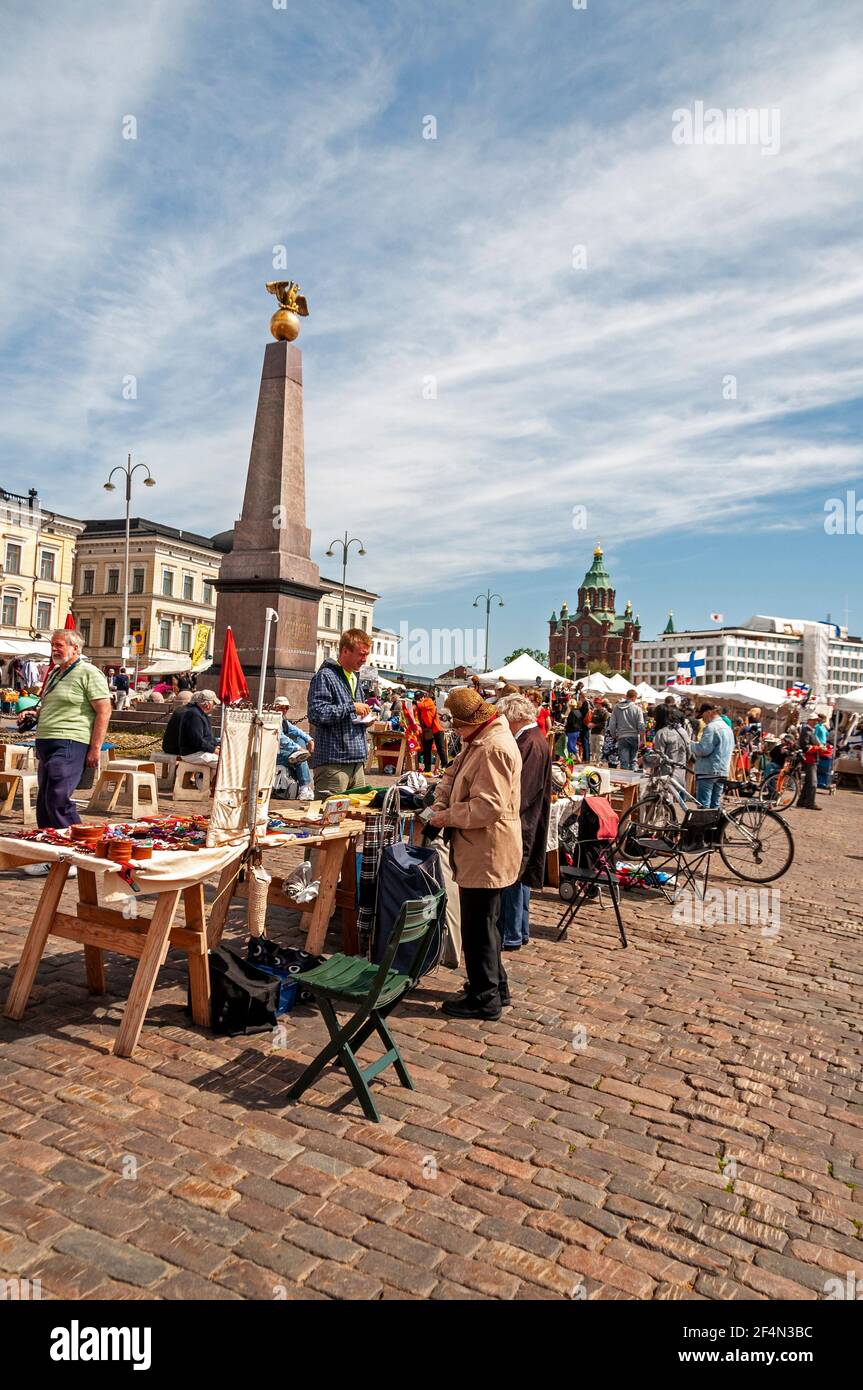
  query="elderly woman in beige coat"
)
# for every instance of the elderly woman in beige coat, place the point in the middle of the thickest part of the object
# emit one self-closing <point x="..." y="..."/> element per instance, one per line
<point x="478" y="803"/>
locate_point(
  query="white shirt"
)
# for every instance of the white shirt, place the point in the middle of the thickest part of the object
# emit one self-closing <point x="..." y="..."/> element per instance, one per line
<point x="524" y="730"/>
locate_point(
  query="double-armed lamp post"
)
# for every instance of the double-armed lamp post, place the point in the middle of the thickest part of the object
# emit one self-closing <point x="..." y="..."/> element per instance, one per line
<point x="345" y="544"/>
<point x="487" y="598"/>
<point x="127" y="471"/>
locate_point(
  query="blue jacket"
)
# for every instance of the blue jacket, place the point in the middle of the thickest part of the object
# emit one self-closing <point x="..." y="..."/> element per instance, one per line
<point x="713" y="750"/>
<point x="331" y="714"/>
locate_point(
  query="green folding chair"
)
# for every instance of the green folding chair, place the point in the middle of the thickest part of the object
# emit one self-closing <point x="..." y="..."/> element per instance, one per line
<point x="376" y="989"/>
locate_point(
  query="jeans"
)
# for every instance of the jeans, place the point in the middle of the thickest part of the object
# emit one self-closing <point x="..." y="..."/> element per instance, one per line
<point x="486" y="977"/>
<point x="585" y="744"/>
<point x="572" y="741"/>
<point x="301" y="770"/>
<point x="61" y="766"/>
<point x="513" y="923"/>
<point x="825" y="768"/>
<point x="627" y="748"/>
<point x="708" y="792"/>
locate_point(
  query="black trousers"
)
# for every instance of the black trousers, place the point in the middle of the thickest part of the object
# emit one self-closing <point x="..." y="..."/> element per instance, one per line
<point x="807" y="795"/>
<point x="439" y="743"/>
<point x="486" y="978"/>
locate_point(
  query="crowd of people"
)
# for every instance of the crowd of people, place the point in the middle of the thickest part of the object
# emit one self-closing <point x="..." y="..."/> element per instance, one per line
<point x="494" y="749"/>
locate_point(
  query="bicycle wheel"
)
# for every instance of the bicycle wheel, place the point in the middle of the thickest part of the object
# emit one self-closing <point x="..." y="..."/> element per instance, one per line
<point x="646" y="818"/>
<point x="780" y="790"/>
<point x="756" y="843"/>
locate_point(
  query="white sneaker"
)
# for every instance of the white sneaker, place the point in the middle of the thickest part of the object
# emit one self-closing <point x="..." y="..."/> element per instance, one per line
<point x="37" y="870"/>
<point x="73" y="872"/>
<point x="305" y="794"/>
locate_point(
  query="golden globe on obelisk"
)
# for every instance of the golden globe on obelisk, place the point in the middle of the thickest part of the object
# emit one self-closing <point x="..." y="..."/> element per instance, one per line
<point x="267" y="555"/>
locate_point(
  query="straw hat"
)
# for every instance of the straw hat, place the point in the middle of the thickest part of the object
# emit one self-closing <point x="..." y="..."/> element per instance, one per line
<point x="468" y="707"/>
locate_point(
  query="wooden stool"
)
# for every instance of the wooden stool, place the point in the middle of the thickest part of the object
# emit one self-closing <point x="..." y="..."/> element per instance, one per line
<point x="14" y="758"/>
<point x="186" y="781"/>
<point x="133" y="778"/>
<point x="28" y="784"/>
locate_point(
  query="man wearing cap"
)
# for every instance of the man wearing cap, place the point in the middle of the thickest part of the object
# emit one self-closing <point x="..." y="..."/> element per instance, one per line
<point x="336" y="708"/>
<point x="478" y="800"/>
<point x="712" y="755"/>
<point x="809" y="744"/>
<point x="295" y="748"/>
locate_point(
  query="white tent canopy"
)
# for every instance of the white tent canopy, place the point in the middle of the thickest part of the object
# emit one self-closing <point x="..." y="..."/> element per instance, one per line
<point x="741" y="692"/>
<point x="853" y="701"/>
<point x="647" y="692"/>
<point x="597" y="684"/>
<point x="172" y="666"/>
<point x="24" y="647"/>
<point x="522" y="671"/>
<point x="617" y="685"/>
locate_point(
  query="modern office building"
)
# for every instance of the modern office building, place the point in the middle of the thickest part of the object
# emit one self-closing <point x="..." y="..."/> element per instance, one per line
<point x="771" y="650"/>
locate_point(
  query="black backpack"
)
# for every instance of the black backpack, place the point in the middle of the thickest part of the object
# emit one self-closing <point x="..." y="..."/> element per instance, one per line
<point x="242" y="998"/>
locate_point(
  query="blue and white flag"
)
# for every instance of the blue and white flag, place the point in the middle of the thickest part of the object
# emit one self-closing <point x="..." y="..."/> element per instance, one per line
<point x="692" y="663"/>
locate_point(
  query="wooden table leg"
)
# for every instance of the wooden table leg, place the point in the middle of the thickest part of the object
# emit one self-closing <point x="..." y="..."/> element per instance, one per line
<point x="40" y="928"/>
<point x="332" y="854"/>
<point x="219" y="910"/>
<point x="199" y="966"/>
<point x="346" y="899"/>
<point x="94" y="964"/>
<point x="152" y="956"/>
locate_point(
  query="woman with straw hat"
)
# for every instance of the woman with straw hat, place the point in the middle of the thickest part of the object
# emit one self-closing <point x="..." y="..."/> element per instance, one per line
<point x="478" y="802"/>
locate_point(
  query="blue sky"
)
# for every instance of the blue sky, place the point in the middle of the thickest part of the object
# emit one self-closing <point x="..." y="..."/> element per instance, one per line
<point x="557" y="386"/>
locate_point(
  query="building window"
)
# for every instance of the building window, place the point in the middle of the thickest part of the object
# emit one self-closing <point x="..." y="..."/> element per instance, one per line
<point x="13" y="558"/>
<point x="185" y="637"/>
<point x="134" y="626"/>
<point x="84" y="629"/>
<point x="353" y="621"/>
<point x="188" y="587"/>
<point x="364" y="622"/>
<point x="109" y="633"/>
<point x="168" y="583"/>
<point x="88" y="581"/>
<point x="46" y="565"/>
<point x="113" y="584"/>
<point x="43" y="614"/>
<point x="10" y="610"/>
<point x="138" y="581"/>
<point x="208" y="592"/>
<point x="165" y="633"/>
<point x="328" y="617"/>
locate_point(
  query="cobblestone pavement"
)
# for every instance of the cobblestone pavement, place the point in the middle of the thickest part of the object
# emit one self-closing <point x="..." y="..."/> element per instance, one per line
<point x="679" y="1120"/>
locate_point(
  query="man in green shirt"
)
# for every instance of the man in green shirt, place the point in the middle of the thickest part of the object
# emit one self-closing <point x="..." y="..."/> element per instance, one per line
<point x="73" y="718"/>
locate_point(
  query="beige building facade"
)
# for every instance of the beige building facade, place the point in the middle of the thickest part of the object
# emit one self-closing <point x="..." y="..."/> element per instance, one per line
<point x="37" y="549"/>
<point x="172" y="575"/>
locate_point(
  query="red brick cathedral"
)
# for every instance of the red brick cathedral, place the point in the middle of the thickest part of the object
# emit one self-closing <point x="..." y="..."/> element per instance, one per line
<point x="595" y="632"/>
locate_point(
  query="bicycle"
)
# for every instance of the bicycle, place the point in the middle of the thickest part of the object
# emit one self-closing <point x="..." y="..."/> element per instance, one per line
<point x="754" y="841"/>
<point x="781" y="789"/>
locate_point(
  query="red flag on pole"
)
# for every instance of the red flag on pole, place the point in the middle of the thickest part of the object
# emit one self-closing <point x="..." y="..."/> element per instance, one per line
<point x="70" y="622"/>
<point x="232" y="682"/>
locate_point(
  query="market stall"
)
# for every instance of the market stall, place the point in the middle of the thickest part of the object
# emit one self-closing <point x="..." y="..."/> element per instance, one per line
<point x="168" y="873"/>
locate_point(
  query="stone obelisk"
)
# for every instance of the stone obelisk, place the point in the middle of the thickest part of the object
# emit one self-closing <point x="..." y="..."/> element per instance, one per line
<point x="268" y="565"/>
